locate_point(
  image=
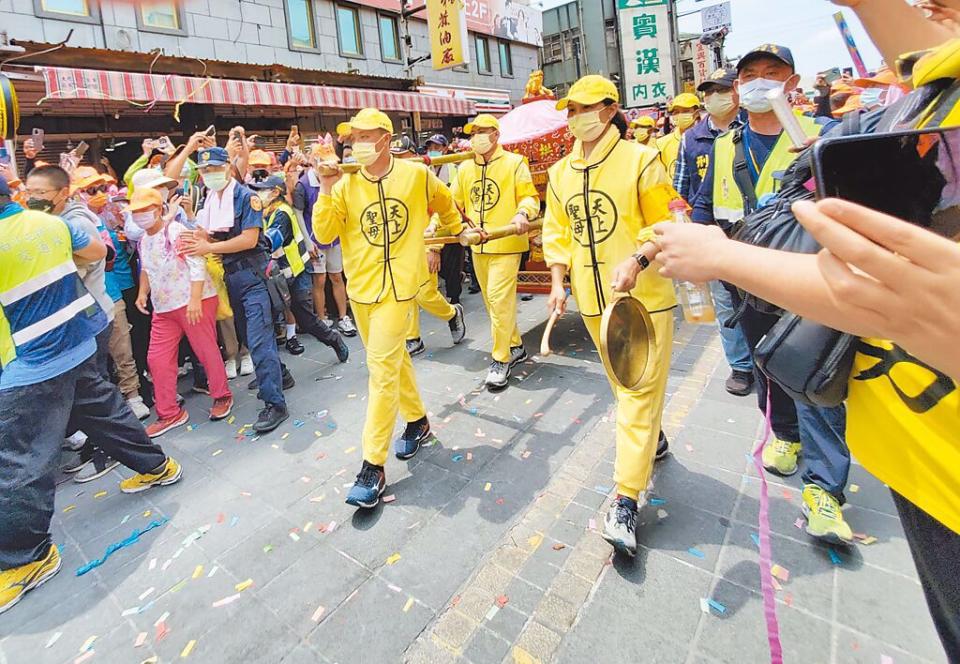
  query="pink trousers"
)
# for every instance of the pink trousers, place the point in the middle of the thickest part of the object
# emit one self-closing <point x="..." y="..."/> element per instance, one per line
<point x="166" y="331"/>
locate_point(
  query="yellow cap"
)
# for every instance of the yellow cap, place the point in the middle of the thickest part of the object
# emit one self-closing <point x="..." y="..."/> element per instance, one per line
<point x="259" y="158"/>
<point x="684" y="100"/>
<point x="644" y="121"/>
<point x="144" y="198"/>
<point x="590" y="90"/>
<point x="482" y="121"/>
<point x="85" y="176"/>
<point x="365" y="120"/>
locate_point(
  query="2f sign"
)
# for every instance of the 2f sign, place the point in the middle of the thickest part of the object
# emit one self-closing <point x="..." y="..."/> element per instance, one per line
<point x="477" y="10"/>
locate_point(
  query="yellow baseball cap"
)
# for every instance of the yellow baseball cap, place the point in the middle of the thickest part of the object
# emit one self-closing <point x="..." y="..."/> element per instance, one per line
<point x="482" y="121"/>
<point x="684" y="100"/>
<point x="143" y="199"/>
<point x="590" y="90"/>
<point x="365" y="120"/>
<point x="259" y="158"/>
<point x="644" y="121"/>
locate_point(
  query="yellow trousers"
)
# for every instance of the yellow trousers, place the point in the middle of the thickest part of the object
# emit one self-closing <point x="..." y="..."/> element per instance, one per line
<point x="639" y="412"/>
<point x="392" y="385"/>
<point x="431" y="301"/>
<point x="497" y="274"/>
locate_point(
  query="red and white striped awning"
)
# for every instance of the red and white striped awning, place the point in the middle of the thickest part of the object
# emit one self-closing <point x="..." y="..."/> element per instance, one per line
<point x="71" y="83"/>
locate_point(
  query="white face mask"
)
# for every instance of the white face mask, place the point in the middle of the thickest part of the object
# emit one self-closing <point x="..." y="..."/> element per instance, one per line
<point x="719" y="103"/>
<point x="145" y="220"/>
<point x="586" y="126"/>
<point x="481" y="143"/>
<point x="753" y="94"/>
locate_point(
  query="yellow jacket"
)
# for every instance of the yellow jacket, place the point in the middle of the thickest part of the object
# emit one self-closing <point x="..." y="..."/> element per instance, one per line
<point x="629" y="193"/>
<point x="669" y="147"/>
<point x="384" y="259"/>
<point x="507" y="188"/>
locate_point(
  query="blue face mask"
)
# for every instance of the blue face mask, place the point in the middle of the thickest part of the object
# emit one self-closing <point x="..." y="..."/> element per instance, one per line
<point x="433" y="154"/>
<point x="871" y="97"/>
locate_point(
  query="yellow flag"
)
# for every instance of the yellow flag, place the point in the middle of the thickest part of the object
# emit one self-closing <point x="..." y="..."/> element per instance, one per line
<point x="447" y="24"/>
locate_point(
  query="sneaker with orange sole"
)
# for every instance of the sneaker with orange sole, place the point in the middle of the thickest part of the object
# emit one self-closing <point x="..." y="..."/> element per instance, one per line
<point x="221" y="408"/>
<point x="164" y="425"/>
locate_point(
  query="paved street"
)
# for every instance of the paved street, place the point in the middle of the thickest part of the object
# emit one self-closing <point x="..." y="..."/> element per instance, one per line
<point x="486" y="553"/>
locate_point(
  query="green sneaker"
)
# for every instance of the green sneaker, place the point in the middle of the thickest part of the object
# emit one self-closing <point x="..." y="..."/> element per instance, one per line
<point x="780" y="457"/>
<point x="824" y="518"/>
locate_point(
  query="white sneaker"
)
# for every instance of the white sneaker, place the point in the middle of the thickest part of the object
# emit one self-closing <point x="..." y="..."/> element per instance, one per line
<point x="328" y="322"/>
<point x="138" y="407"/>
<point x="346" y="327"/>
<point x="75" y="441"/>
<point x="498" y="374"/>
<point x="620" y="526"/>
<point x="184" y="370"/>
<point x="231" y="368"/>
<point x="246" y="365"/>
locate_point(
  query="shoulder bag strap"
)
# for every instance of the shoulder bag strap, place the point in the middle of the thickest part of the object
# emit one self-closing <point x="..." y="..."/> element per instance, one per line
<point x="741" y="174"/>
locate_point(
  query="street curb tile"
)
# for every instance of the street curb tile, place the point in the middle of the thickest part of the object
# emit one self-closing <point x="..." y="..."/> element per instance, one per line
<point x="454" y="629"/>
<point x="555" y="612"/>
<point x="539" y="641"/>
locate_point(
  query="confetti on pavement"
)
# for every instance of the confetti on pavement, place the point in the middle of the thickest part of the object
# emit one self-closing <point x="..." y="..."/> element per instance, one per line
<point x="394" y="558"/>
<point x="53" y="639"/>
<point x="146" y="593"/>
<point x="799" y="523"/>
<point x="243" y="585"/>
<point x="389" y="499"/>
<point x="406" y="607"/>
<point x="502" y="601"/>
<point x="84" y="657"/>
<point x="854" y="488"/>
<point x="162" y="631"/>
<point x="187" y="648"/>
<point x="658" y="501"/>
<point x="780" y="572"/>
<point x="318" y="614"/>
<point x="69" y="508"/>
<point x="141" y="639"/>
<point x="835" y="557"/>
<point x="492" y="612"/>
<point x="226" y="600"/>
<point x="693" y="551"/>
<point x="487" y="486"/>
<point x="99" y="494"/>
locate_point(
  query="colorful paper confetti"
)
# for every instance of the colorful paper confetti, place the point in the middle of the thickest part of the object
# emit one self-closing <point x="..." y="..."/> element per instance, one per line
<point x="393" y="558"/>
<point x="243" y="585"/>
<point x="187" y="648"/>
<point x="318" y="614"/>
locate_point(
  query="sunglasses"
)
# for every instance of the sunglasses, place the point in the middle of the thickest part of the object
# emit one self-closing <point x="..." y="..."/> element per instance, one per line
<point x="100" y="189"/>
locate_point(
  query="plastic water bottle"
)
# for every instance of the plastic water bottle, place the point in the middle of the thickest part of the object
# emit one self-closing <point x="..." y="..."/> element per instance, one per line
<point x="695" y="299"/>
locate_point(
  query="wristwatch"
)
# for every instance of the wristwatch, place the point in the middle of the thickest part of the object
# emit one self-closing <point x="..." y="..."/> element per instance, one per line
<point x="642" y="261"/>
<point x="524" y="213"/>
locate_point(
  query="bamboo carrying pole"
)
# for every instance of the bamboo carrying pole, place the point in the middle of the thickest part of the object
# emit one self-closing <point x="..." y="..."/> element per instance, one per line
<point x="454" y="158"/>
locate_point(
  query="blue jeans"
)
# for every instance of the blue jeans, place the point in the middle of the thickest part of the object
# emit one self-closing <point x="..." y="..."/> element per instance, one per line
<point x="301" y="306"/>
<point x="33" y="421"/>
<point x="254" y="318"/>
<point x="735" y="345"/>
<point x="825" y="460"/>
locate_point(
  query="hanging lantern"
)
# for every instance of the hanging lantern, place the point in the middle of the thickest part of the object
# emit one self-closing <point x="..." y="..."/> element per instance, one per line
<point x="9" y="109"/>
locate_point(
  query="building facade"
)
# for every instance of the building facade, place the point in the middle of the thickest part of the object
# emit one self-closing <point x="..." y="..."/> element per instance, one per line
<point x="325" y="35"/>
<point x="580" y="38"/>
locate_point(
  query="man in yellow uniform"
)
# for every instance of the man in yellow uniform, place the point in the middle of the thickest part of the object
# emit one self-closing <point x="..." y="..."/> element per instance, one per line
<point x="494" y="190"/>
<point x="602" y="201"/>
<point x="380" y="214"/>
<point x="645" y="130"/>
<point x="684" y="110"/>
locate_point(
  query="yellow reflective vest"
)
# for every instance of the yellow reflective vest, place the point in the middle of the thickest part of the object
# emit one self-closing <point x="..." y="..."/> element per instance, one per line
<point x="599" y="211"/>
<point x="295" y="251"/>
<point x="492" y="193"/>
<point x="727" y="199"/>
<point x="380" y="223"/>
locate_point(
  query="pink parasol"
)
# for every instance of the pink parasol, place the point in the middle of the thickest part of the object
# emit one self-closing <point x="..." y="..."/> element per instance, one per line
<point x="530" y="121"/>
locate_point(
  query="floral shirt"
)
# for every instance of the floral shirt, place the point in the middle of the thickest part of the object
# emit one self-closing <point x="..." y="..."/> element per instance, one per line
<point x="171" y="274"/>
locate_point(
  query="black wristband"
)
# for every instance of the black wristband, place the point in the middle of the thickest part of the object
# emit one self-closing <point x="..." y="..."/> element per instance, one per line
<point x="642" y="261"/>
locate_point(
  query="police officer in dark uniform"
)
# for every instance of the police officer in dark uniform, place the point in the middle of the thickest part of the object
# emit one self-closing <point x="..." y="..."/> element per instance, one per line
<point x="290" y="252"/>
<point x="231" y="225"/>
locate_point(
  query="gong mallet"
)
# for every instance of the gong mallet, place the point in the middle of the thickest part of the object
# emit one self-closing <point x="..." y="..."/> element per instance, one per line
<point x="545" y="341"/>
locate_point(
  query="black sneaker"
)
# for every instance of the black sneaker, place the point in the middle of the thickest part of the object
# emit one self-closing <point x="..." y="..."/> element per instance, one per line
<point x="740" y="383"/>
<point x="341" y="348"/>
<point x="287" y="378"/>
<point x="80" y="461"/>
<point x="458" y="328"/>
<point x="270" y="418"/>
<point x="415" y="346"/>
<point x="370" y="485"/>
<point x="518" y="354"/>
<point x="407" y="445"/>
<point x="294" y="347"/>
<point x="474" y="289"/>
<point x="200" y="388"/>
<point x="663" y="447"/>
<point x="102" y="464"/>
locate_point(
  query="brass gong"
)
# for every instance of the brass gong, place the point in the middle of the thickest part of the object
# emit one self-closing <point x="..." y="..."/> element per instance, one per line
<point x="627" y="342"/>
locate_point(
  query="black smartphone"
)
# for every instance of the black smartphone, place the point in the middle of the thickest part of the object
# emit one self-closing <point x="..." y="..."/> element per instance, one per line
<point x="211" y="130"/>
<point x="913" y="175"/>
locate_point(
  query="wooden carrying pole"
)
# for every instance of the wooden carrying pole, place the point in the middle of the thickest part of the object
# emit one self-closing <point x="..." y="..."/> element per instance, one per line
<point x="454" y="158"/>
<point x="472" y="236"/>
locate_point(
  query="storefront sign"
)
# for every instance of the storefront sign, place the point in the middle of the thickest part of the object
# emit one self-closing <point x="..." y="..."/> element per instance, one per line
<point x="647" y="61"/>
<point x="702" y="63"/>
<point x="499" y="18"/>
<point x="447" y="24"/>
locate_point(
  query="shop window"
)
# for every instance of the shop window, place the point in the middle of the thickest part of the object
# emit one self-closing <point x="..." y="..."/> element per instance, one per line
<point x="389" y="38"/>
<point x="301" y="26"/>
<point x="506" y="59"/>
<point x="552" y="50"/>
<point x="83" y="11"/>
<point x="483" y="55"/>
<point x="349" y="35"/>
<point x="160" y="16"/>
